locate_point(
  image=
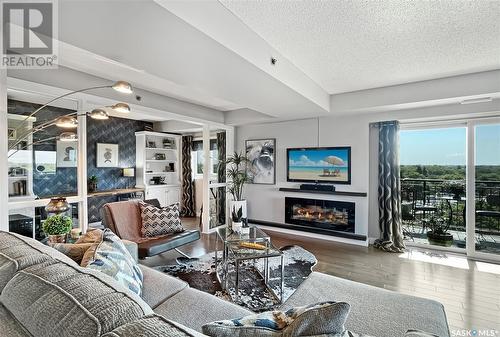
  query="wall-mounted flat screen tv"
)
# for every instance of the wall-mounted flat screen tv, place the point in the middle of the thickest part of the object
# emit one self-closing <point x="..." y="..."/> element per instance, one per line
<point x="319" y="165"/>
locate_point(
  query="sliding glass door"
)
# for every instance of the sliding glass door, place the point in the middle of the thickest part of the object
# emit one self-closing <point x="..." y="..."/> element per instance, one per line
<point x="450" y="186"/>
<point x="433" y="185"/>
<point x="485" y="215"/>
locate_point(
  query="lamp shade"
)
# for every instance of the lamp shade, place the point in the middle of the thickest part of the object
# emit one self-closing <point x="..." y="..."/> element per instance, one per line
<point x="129" y="172"/>
<point x="121" y="107"/>
<point x="66" y="122"/>
<point x="99" y="114"/>
<point x="57" y="205"/>
<point x="123" y="87"/>
<point x="68" y="137"/>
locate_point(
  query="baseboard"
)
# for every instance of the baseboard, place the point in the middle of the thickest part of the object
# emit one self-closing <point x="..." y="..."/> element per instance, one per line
<point x="354" y="239"/>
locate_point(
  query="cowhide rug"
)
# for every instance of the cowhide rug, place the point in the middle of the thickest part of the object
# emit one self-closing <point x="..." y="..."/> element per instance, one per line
<point x="200" y="274"/>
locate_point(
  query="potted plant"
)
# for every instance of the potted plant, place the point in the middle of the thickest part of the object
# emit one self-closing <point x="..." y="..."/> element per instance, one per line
<point x="237" y="217"/>
<point x="56" y="227"/>
<point x="93" y="183"/>
<point x="439" y="235"/>
<point x="456" y="188"/>
<point x="237" y="177"/>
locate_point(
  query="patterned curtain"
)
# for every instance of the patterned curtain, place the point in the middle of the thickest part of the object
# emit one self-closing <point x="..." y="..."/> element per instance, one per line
<point x="389" y="189"/>
<point x="188" y="204"/>
<point x="221" y="177"/>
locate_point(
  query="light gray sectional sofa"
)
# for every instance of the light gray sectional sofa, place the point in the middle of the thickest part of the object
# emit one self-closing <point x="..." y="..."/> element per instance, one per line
<point x="44" y="293"/>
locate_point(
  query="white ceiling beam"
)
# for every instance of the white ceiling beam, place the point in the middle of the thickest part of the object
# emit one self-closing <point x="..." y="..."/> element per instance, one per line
<point x="213" y="19"/>
<point x="436" y="92"/>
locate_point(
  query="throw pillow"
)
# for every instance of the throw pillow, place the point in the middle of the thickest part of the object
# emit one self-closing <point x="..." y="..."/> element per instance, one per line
<point x="75" y="251"/>
<point x="91" y="236"/>
<point x="160" y="221"/>
<point x="311" y="320"/>
<point x="112" y="258"/>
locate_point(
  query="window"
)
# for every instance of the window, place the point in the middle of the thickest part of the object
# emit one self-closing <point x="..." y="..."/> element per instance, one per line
<point x="197" y="159"/>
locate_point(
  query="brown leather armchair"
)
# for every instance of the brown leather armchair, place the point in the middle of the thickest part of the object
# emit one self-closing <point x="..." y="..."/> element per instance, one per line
<point x="124" y="219"/>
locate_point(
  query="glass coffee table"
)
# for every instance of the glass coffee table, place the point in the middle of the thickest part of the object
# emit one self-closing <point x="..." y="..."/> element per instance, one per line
<point x="233" y="253"/>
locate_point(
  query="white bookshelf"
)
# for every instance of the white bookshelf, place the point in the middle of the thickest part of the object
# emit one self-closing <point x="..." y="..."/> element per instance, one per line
<point x="157" y="160"/>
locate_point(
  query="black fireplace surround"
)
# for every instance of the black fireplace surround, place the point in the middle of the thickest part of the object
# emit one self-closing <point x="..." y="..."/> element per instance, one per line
<point x="320" y="216"/>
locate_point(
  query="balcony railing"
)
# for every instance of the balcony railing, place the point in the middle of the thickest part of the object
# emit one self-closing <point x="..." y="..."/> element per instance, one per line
<point x="424" y="199"/>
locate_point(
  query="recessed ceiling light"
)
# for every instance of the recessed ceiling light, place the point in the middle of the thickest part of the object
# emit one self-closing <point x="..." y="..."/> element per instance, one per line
<point x="477" y="100"/>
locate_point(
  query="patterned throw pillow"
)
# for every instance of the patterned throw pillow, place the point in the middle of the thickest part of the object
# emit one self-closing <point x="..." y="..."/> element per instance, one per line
<point x="110" y="257"/>
<point x="160" y="221"/>
<point x="317" y="319"/>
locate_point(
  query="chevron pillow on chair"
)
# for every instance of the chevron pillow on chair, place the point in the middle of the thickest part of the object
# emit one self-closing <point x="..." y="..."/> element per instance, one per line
<point x="160" y="221"/>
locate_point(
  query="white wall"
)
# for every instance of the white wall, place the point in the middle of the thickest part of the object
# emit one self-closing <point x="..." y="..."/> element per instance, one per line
<point x="266" y="202"/>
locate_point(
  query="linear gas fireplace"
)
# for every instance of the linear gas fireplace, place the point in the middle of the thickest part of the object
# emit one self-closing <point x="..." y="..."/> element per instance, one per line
<point x="321" y="216"/>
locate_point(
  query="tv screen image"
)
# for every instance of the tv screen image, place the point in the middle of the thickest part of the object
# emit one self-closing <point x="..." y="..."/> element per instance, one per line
<point x="322" y="164"/>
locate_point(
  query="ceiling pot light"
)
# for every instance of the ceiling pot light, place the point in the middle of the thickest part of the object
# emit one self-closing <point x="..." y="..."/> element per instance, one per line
<point x="477" y="100"/>
<point x="121" y="107"/>
<point x="123" y="87"/>
<point x="67" y="137"/>
<point x="66" y="122"/>
<point x="99" y="114"/>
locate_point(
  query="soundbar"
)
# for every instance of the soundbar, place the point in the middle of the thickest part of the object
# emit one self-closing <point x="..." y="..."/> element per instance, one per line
<point x="317" y="187"/>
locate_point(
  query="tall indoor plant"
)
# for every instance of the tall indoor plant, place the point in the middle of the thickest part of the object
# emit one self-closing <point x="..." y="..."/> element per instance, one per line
<point x="236" y="170"/>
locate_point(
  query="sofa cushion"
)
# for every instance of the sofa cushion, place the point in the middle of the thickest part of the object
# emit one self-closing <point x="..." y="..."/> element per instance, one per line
<point x="62" y="291"/>
<point x="18" y="252"/>
<point x="22" y="248"/>
<point x="313" y="320"/>
<point x="45" y="310"/>
<point x="160" y="221"/>
<point x="194" y="308"/>
<point x="110" y="257"/>
<point x="9" y="326"/>
<point x="374" y="311"/>
<point x="152" y="326"/>
<point x="158" y="287"/>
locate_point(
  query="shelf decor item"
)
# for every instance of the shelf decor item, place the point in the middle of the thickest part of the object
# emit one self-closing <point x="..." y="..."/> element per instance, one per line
<point x="93" y="180"/>
<point x="56" y="227"/>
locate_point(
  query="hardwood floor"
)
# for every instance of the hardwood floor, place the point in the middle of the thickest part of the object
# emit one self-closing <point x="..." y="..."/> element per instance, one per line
<point x="469" y="290"/>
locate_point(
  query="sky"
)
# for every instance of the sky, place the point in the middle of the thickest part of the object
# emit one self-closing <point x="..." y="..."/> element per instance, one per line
<point x="447" y="146"/>
<point x="315" y="157"/>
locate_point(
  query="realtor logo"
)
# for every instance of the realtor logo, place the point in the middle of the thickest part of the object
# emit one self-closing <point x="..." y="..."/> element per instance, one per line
<point x="29" y="33"/>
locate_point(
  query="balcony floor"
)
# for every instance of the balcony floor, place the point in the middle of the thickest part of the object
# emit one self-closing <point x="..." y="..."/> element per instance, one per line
<point x="484" y="243"/>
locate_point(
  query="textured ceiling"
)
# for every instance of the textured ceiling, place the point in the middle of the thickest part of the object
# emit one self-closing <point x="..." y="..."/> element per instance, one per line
<point x="354" y="45"/>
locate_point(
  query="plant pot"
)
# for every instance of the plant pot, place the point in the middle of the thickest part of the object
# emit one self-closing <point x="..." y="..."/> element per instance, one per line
<point x="237" y="226"/>
<point x="92" y="187"/>
<point x="59" y="238"/>
<point x="236" y="204"/>
<point x="440" y="239"/>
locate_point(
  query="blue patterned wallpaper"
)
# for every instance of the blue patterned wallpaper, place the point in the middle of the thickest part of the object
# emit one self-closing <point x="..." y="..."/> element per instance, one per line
<point x="64" y="180"/>
<point x="119" y="131"/>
